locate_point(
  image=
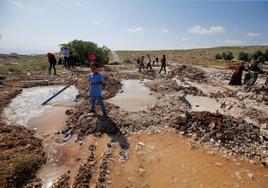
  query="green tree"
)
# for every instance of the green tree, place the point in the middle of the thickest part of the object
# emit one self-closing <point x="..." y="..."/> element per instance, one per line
<point x="83" y="48"/>
<point x="218" y="56"/>
<point x="258" y="54"/>
<point x="243" y="56"/>
<point x="228" y="56"/>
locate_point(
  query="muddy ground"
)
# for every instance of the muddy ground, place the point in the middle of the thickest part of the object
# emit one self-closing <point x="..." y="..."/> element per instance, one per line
<point x="234" y="128"/>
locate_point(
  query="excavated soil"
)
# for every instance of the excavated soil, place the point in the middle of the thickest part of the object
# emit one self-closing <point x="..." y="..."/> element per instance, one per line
<point x="141" y="149"/>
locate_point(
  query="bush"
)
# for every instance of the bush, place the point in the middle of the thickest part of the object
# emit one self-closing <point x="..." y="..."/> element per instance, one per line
<point x="83" y="48"/>
<point x="243" y="56"/>
<point x="228" y="56"/>
<point x="258" y="54"/>
<point x="218" y="56"/>
<point x="23" y="168"/>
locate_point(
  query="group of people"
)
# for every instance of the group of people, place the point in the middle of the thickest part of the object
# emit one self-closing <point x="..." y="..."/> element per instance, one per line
<point x="152" y="61"/>
<point x="252" y="73"/>
<point x="69" y="60"/>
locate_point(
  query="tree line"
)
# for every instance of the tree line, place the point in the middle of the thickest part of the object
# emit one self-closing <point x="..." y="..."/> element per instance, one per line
<point x="243" y="56"/>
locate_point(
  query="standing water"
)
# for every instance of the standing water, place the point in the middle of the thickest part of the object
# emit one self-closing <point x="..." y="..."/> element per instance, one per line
<point x="27" y="105"/>
<point x="135" y="96"/>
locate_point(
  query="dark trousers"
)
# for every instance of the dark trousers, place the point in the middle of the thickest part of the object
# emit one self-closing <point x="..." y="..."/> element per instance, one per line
<point x="149" y="65"/>
<point x="71" y="64"/>
<point x="50" y="67"/>
<point x="141" y="66"/>
<point x="163" y="67"/>
<point x="66" y="62"/>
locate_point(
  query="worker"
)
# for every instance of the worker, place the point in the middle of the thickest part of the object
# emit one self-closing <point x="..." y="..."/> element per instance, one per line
<point x="237" y="75"/>
<point x="163" y="64"/>
<point x="52" y="62"/>
<point x="255" y="69"/>
<point x="96" y="84"/>
<point x="149" y="63"/>
<point x="141" y="63"/>
<point x="66" y="55"/>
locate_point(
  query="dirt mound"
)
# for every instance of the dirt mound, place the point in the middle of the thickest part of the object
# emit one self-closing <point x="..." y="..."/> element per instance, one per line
<point x="166" y="85"/>
<point x="190" y="72"/>
<point x="236" y="135"/>
<point x="21" y="155"/>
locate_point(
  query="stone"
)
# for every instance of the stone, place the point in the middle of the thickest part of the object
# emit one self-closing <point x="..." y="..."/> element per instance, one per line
<point x="251" y="176"/>
<point x="206" y="137"/>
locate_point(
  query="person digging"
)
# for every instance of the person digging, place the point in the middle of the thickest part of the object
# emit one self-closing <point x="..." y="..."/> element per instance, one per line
<point x="96" y="84"/>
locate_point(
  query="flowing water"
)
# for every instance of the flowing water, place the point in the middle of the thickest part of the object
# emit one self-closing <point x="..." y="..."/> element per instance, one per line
<point x="27" y="105"/>
<point x="135" y="96"/>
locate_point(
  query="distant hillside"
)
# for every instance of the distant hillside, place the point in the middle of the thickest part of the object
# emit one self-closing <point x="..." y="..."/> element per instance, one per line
<point x="203" y="56"/>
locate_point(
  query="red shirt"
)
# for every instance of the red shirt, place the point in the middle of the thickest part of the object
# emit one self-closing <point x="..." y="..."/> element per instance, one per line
<point x="92" y="58"/>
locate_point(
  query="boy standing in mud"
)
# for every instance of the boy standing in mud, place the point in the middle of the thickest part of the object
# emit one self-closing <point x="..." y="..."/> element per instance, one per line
<point x="96" y="83"/>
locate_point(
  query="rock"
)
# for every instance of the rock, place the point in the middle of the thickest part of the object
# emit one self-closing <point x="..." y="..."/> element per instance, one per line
<point x="181" y="119"/>
<point x="69" y="112"/>
<point x="130" y="179"/>
<point x="237" y="175"/>
<point x="206" y="137"/>
<point x="251" y="176"/>
<point x="218" y="164"/>
<point x="141" y="171"/>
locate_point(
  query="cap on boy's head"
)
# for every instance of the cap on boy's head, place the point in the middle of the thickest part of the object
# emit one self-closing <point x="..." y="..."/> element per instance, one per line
<point x="94" y="65"/>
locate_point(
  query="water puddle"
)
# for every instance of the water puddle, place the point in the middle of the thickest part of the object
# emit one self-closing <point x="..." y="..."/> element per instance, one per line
<point x="27" y="105"/>
<point x="135" y="96"/>
<point x="200" y="103"/>
<point x="168" y="160"/>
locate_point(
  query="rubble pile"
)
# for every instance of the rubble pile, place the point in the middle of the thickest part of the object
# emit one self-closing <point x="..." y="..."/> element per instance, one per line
<point x="166" y="85"/>
<point x="190" y="72"/>
<point x="63" y="181"/>
<point x="84" y="174"/>
<point x="258" y="92"/>
<point x="16" y="143"/>
<point x="104" y="170"/>
<point x="236" y="135"/>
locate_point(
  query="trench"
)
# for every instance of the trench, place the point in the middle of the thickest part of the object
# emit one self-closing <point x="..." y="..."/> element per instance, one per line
<point x="160" y="160"/>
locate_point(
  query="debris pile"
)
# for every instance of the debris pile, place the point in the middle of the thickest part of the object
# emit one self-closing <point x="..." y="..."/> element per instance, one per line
<point x="166" y="85"/>
<point x="190" y="72"/>
<point x="104" y="170"/>
<point x="63" y="181"/>
<point x="236" y="135"/>
<point x="84" y="174"/>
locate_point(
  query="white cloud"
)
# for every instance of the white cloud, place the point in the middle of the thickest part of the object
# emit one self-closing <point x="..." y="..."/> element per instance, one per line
<point x="164" y="30"/>
<point x="234" y="42"/>
<point x="253" y="34"/>
<point x="185" y="39"/>
<point x="16" y="3"/>
<point x="206" y="31"/>
<point x="135" y="30"/>
<point x="96" y="22"/>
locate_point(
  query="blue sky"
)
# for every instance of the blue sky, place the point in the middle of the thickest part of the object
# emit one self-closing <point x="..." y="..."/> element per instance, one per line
<point x="38" y="26"/>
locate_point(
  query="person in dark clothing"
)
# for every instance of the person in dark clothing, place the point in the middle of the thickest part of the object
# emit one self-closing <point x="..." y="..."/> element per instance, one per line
<point x="71" y="59"/>
<point x="156" y="60"/>
<point x="149" y="63"/>
<point x="255" y="69"/>
<point x="52" y="62"/>
<point x="237" y="75"/>
<point x="76" y="60"/>
<point x="163" y="64"/>
<point x="153" y="61"/>
<point x="60" y="61"/>
<point x="141" y="63"/>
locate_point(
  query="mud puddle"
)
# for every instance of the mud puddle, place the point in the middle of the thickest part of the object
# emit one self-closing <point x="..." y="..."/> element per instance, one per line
<point x="27" y="105"/>
<point x="200" y="103"/>
<point x="168" y="160"/>
<point x="135" y="96"/>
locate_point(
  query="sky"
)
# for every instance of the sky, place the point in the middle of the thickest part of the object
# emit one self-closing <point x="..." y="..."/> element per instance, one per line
<point x="39" y="26"/>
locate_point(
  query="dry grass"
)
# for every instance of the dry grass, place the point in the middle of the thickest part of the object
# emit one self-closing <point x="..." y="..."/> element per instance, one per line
<point x="203" y="57"/>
